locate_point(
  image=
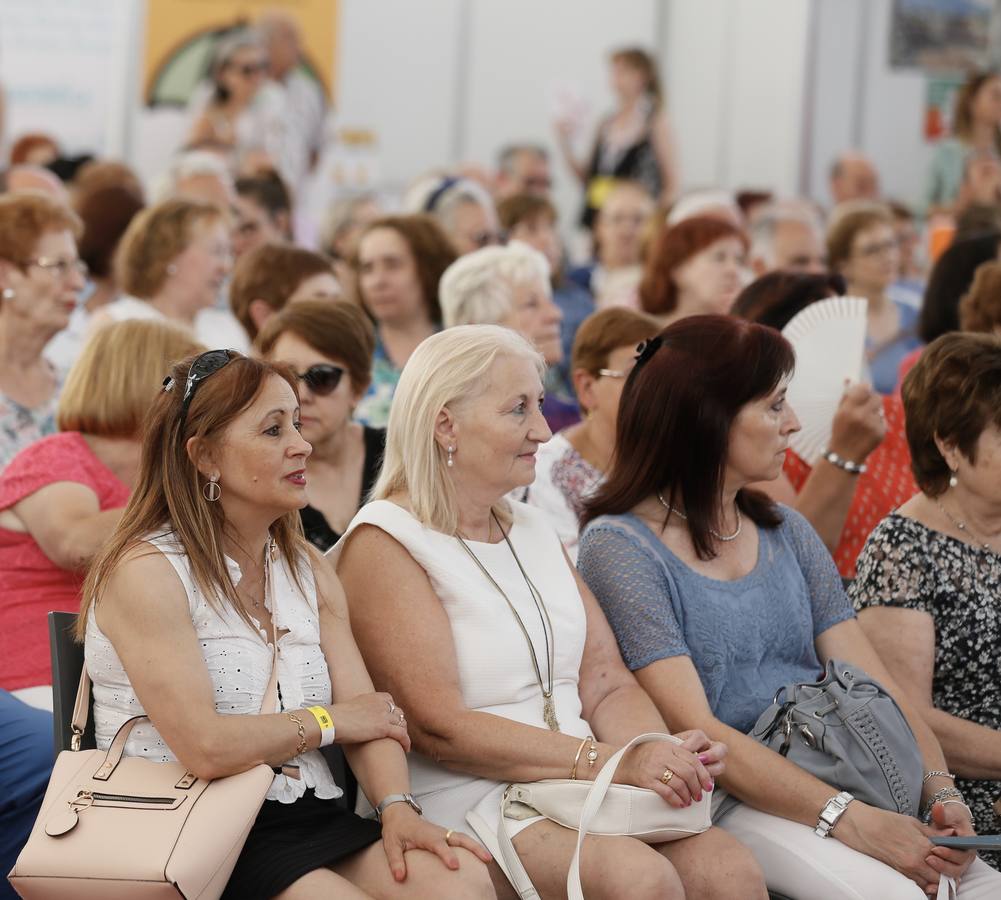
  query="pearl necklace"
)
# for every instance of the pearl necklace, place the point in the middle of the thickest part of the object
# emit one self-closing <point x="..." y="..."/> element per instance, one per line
<point x="726" y="538"/>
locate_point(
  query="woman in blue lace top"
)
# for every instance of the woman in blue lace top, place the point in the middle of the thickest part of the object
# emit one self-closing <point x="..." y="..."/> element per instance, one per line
<point x="719" y="597"/>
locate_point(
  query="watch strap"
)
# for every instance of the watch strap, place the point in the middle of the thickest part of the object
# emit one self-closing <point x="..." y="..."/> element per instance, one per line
<point x="833" y="810"/>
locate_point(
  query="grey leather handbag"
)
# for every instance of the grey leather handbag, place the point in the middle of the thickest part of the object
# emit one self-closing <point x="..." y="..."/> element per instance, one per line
<point x="848" y="732"/>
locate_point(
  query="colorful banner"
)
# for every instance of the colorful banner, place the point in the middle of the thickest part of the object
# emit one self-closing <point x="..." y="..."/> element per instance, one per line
<point x="181" y="36"/>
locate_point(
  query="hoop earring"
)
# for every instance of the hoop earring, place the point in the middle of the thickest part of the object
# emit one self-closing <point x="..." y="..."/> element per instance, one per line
<point x="450" y="462"/>
<point x="211" y="490"/>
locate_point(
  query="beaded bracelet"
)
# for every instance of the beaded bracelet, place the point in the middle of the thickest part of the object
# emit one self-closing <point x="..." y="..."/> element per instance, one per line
<point x="846" y="465"/>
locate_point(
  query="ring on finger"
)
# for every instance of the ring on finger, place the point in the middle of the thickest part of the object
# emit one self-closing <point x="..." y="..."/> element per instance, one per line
<point x="448" y="834"/>
<point x="392" y="706"/>
<point x="666" y="777"/>
<point x="402" y="720"/>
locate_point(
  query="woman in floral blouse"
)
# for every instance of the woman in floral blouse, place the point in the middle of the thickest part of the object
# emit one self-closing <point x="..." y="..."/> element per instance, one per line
<point x="929" y="578"/>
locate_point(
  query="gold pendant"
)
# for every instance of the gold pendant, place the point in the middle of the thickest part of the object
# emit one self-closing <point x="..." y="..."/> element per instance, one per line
<point x="549" y="712"/>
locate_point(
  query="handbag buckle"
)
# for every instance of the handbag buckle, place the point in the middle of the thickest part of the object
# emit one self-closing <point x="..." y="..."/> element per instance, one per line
<point x="76" y="740"/>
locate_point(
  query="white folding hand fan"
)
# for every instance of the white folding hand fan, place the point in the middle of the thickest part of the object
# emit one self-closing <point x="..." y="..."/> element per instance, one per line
<point x="829" y="340"/>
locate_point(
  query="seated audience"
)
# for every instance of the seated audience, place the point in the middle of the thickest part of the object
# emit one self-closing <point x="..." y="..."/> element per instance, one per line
<point x="262" y="208"/>
<point x="694" y="268"/>
<point x="500" y="691"/>
<point x="399" y="263"/>
<point x="622" y="229"/>
<point x="573" y="463"/>
<point x="853" y="176"/>
<point x="172" y="263"/>
<point x="929" y="577"/>
<point x="461" y="206"/>
<point x="509" y="286"/>
<point x="842" y="505"/>
<point x="210" y="551"/>
<point x="269" y="277"/>
<point x="41" y="277"/>
<point x="62" y="496"/>
<point x="342" y="226"/>
<point x="106" y="213"/>
<point x="26" y="758"/>
<point x="787" y="237"/>
<point x="862" y="247"/>
<point x="329" y="347"/>
<point x="948" y="281"/>
<point x="523" y="169"/>
<point x="980" y="308"/>
<point x="719" y="597"/>
<point x="531" y="219"/>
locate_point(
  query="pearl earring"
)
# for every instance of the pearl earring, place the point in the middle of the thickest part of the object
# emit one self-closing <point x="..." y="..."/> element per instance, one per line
<point x="8" y="294"/>
<point x="450" y="462"/>
<point x="953" y="480"/>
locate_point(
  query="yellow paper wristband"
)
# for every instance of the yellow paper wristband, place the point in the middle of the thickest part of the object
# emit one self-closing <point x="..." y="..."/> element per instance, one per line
<point x="326" y="724"/>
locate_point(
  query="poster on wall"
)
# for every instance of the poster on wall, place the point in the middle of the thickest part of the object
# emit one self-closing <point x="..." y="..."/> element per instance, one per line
<point x="945" y="36"/>
<point x="181" y="36"/>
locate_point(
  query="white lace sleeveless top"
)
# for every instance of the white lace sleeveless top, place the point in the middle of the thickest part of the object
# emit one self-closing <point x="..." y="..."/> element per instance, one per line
<point x="494" y="664"/>
<point x="238" y="659"/>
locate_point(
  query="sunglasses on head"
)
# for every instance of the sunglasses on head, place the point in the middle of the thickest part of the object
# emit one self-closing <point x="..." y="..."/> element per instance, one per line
<point x="201" y="367"/>
<point x="322" y="379"/>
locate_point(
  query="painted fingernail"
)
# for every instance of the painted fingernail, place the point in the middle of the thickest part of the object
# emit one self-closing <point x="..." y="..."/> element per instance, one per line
<point x="703" y="758"/>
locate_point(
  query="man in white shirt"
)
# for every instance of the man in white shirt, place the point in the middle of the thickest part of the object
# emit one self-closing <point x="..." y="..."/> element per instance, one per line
<point x="306" y="105"/>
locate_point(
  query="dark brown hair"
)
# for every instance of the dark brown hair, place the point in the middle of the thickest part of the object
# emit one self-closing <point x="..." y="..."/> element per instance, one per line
<point x="637" y="58"/>
<point x="962" y="123"/>
<point x="338" y="329"/>
<point x="106" y="214"/>
<point x="776" y="297"/>
<point x="678" y="406"/>
<point x="272" y="273"/>
<point x="674" y="246"/>
<point x="953" y="393"/>
<point x="980" y="308"/>
<point x="518" y="208"/>
<point x="841" y="234"/>
<point x="430" y="247"/>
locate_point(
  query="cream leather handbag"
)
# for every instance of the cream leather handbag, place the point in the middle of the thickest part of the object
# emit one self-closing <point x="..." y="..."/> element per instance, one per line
<point x="113" y="827"/>
<point x="597" y="807"/>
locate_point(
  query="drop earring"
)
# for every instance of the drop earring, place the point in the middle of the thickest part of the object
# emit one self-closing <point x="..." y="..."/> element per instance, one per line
<point x="211" y="490"/>
<point x="8" y="294"/>
<point x="953" y="480"/>
<point x="450" y="462"/>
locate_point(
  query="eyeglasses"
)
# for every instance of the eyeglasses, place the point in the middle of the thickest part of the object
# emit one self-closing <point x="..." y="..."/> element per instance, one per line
<point x="61" y="267"/>
<point x="201" y="367"/>
<point x="248" y="70"/>
<point x="322" y="379"/>
<point x="878" y="249"/>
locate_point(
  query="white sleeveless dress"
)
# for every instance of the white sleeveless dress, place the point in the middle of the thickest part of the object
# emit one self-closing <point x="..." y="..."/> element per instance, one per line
<point x="494" y="664"/>
<point x="238" y="660"/>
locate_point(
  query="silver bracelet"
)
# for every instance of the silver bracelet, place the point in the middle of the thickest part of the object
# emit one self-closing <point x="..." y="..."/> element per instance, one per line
<point x="846" y="465"/>
<point x="939" y="797"/>
<point x="933" y="774"/>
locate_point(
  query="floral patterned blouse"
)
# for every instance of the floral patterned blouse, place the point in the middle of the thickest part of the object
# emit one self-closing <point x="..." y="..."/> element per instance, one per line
<point x="910" y="565"/>
<point x="21" y="426"/>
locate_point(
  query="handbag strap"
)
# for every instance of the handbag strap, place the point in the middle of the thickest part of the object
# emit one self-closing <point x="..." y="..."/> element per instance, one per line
<point x="947" y="889"/>
<point x="515" y="870"/>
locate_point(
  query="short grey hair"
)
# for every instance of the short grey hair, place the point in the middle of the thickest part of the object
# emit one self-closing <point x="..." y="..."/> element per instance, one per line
<point x="767" y="222"/>
<point x="189" y="165"/>
<point x="478" y="288"/>
<point x="441" y="195"/>
<point x="505" y="159"/>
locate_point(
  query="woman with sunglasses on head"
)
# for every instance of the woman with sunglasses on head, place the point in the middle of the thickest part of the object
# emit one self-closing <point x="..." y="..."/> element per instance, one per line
<point x="329" y="346"/>
<point x="41" y="278"/>
<point x="209" y="555"/>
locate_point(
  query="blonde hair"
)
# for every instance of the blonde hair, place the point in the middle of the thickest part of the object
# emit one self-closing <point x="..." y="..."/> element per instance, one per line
<point x="116" y="377"/>
<point x="448" y="369"/>
<point x="155" y="238"/>
<point x="478" y="288"/>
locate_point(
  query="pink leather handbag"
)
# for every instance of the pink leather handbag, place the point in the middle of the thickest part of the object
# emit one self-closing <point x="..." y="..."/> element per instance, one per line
<point x="125" y="827"/>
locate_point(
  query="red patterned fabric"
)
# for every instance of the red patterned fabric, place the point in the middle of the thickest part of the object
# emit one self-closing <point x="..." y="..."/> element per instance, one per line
<point x="886" y="484"/>
<point x="30" y="583"/>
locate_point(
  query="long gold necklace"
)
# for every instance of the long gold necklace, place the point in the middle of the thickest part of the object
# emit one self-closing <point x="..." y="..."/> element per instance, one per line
<point x="548" y="703"/>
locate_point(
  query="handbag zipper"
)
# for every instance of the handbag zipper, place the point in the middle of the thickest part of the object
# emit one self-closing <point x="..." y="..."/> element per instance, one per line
<point x="122" y="798"/>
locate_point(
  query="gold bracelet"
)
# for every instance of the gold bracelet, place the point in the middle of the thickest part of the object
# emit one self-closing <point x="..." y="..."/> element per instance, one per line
<point x="576" y="759"/>
<point x="300" y="728"/>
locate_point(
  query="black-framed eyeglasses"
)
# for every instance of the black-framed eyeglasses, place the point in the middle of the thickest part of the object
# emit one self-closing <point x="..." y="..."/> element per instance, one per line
<point x="201" y="367"/>
<point x="322" y="379"/>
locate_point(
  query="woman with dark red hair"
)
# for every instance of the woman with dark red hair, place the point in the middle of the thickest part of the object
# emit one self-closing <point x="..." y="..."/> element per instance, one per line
<point x="719" y="597"/>
<point x="696" y="268"/>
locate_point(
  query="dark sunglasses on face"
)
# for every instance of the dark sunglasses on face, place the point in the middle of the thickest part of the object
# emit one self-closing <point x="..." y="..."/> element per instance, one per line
<point x="248" y="70"/>
<point x="201" y="367"/>
<point x="322" y="379"/>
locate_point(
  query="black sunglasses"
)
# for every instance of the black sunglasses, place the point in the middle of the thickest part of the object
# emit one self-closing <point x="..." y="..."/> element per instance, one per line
<point x="201" y="367"/>
<point x="322" y="379"/>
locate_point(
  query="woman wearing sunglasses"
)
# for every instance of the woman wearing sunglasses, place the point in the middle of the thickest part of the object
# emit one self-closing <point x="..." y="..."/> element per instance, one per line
<point x="206" y="585"/>
<point x="329" y="346"/>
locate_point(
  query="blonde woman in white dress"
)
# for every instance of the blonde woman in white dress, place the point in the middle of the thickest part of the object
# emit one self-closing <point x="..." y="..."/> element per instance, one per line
<point x="467" y="609"/>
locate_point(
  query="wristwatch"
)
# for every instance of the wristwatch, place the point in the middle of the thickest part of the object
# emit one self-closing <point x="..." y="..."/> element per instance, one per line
<point x="830" y="814"/>
<point x="399" y="798"/>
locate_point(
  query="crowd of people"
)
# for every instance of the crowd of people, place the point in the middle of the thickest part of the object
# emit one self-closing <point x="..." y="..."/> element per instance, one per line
<point x="494" y="510"/>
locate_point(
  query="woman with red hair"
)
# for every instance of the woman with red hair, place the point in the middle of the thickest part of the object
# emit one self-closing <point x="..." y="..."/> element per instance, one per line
<point x="696" y="268"/>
